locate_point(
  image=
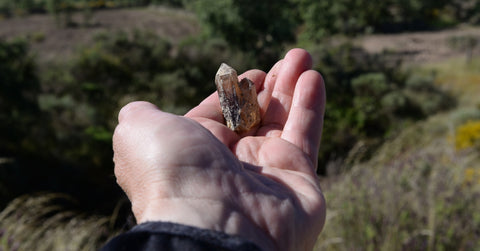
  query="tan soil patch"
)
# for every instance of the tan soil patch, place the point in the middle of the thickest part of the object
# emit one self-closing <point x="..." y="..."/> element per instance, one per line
<point x="420" y="47"/>
<point x="59" y="42"/>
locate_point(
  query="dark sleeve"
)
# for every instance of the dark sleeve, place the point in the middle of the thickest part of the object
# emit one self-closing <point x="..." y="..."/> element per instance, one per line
<point x="171" y="236"/>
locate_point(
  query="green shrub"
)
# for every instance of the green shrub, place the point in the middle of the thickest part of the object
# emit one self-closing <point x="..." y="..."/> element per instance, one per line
<point x="423" y="93"/>
<point x="85" y="95"/>
<point x="464" y="114"/>
<point x="370" y="84"/>
<point x="368" y="90"/>
<point x="57" y="127"/>
<point x="5" y="8"/>
<point x="19" y="87"/>
<point x="369" y="99"/>
<point x="396" y="103"/>
<point x="321" y="19"/>
<point x="256" y="27"/>
<point x="21" y="7"/>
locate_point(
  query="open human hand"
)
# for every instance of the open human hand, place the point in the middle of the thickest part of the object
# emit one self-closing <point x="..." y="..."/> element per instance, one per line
<point x="262" y="186"/>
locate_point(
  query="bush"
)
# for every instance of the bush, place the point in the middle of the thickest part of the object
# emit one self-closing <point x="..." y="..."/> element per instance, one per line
<point x="57" y="128"/>
<point x="19" y="87"/>
<point x="21" y="7"/>
<point x="321" y="19"/>
<point x="369" y="88"/>
<point x="369" y="98"/>
<point x="256" y="27"/>
<point x="85" y="95"/>
<point x="423" y="93"/>
<point x="464" y="114"/>
<point x="468" y="135"/>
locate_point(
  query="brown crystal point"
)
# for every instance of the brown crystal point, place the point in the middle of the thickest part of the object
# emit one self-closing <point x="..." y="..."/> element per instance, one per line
<point x="238" y="100"/>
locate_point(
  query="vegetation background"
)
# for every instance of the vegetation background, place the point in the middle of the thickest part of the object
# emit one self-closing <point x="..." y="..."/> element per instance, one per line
<point x="399" y="161"/>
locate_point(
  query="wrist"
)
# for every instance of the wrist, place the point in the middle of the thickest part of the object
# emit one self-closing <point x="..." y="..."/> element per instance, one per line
<point x="205" y="214"/>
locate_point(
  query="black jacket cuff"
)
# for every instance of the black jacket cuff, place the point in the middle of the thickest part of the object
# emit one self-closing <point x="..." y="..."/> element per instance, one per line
<point x="172" y="236"/>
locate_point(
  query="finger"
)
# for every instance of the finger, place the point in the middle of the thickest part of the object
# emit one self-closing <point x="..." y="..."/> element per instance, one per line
<point x="303" y="127"/>
<point x="295" y="63"/>
<point x="133" y="108"/>
<point x="221" y="131"/>
<point x="264" y="100"/>
<point x="265" y="95"/>
<point x="210" y="107"/>
<point x="134" y="119"/>
<point x="137" y="114"/>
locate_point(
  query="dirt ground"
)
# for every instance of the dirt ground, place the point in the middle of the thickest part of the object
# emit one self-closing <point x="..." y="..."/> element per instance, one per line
<point x="52" y="41"/>
<point x="421" y="47"/>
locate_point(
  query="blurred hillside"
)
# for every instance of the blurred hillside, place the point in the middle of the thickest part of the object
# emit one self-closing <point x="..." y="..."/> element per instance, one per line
<point x="401" y="142"/>
<point x="54" y="42"/>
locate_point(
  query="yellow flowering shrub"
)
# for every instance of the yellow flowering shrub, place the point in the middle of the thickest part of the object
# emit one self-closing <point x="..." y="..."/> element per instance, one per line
<point x="471" y="176"/>
<point x="467" y="135"/>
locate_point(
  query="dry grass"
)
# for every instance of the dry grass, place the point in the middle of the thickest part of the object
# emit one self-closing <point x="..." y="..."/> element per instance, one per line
<point x="45" y="222"/>
<point x="419" y="191"/>
<point x="460" y="76"/>
<point x="426" y="198"/>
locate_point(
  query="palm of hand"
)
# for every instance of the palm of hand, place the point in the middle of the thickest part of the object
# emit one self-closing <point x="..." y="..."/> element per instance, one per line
<point x="261" y="186"/>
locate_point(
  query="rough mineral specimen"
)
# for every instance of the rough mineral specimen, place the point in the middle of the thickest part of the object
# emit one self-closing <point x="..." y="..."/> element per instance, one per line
<point x="238" y="100"/>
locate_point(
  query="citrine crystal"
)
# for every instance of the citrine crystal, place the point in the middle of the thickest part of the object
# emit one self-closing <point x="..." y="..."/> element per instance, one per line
<point x="238" y="100"/>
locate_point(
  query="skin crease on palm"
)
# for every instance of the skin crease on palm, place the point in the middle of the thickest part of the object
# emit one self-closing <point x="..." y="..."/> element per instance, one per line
<point x="261" y="186"/>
